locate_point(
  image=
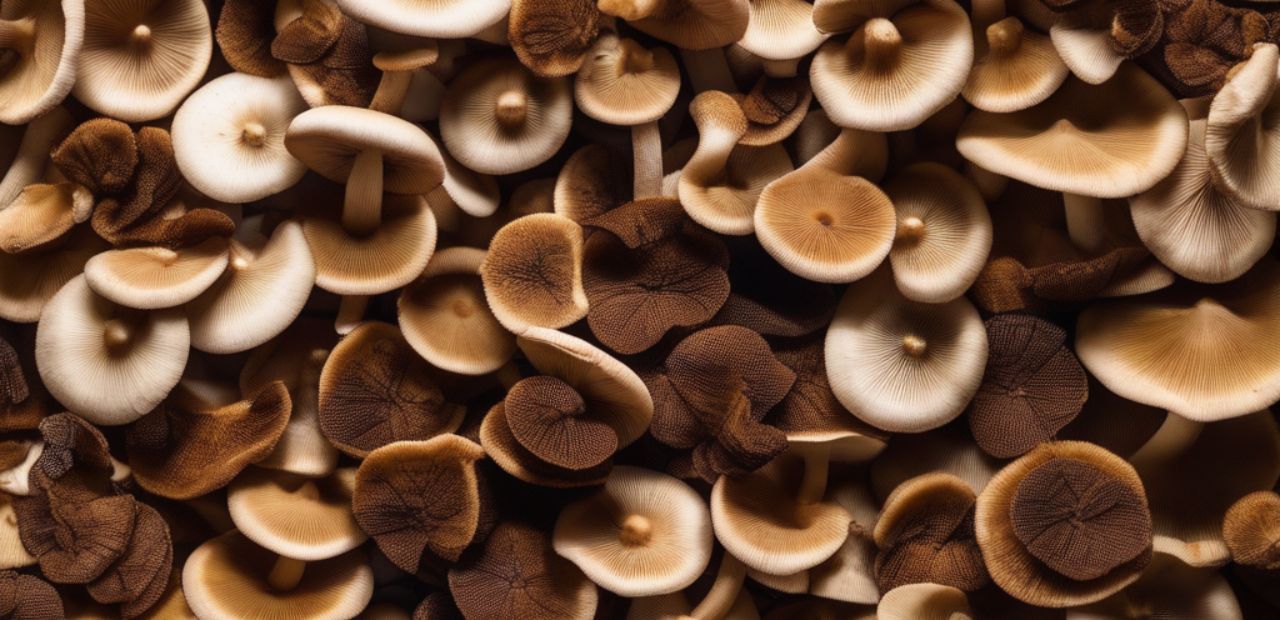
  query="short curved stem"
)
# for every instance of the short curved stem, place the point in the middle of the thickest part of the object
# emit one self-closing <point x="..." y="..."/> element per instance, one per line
<point x="881" y="44"/>
<point x="720" y="598"/>
<point x="392" y="92"/>
<point x="646" y="150"/>
<point x="362" y="211"/>
<point x="286" y="574"/>
<point x="813" y="485"/>
<point x="350" y="312"/>
<point x="781" y="69"/>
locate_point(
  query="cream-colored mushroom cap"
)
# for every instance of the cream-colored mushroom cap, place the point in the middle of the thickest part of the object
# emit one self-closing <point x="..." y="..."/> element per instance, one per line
<point x="41" y="216"/>
<point x="824" y="226"/>
<point x="106" y="363"/>
<point x="46" y="37"/>
<point x="1241" y="140"/>
<point x="12" y="552"/>
<point x="156" y="277"/>
<point x="31" y="280"/>
<point x="389" y="258"/>
<point x="1077" y="141"/>
<point x="944" y="233"/>
<point x="443" y="19"/>
<point x="897" y="68"/>
<point x="142" y="57"/>
<point x="900" y="365"/>
<point x="1019" y="69"/>
<point x="687" y="24"/>
<point x="24" y="155"/>
<point x="645" y="533"/>
<point x="228" y="137"/>
<point x="622" y="83"/>
<point x="445" y="318"/>
<point x="265" y="286"/>
<point x="533" y="273"/>
<point x="17" y="479"/>
<point x="297" y="517"/>
<point x="1087" y="49"/>
<point x="924" y="601"/>
<point x="226" y="577"/>
<point x="781" y="30"/>
<point x="1202" y="352"/>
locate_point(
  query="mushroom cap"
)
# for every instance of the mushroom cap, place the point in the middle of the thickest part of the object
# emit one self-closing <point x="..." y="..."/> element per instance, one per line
<point x="226" y="577"/>
<point x="389" y="258"/>
<point x="1033" y="494"/>
<point x="897" y="68"/>
<point x="532" y="273"/>
<point x="901" y="365"/>
<point x="1075" y="142"/>
<point x="244" y="34"/>
<point x="1240" y="141"/>
<point x="518" y="575"/>
<point x="696" y="24"/>
<point x="41" y="216"/>
<point x="25" y="151"/>
<point x="328" y="139"/>
<point x="263" y="290"/>
<point x="156" y="277"/>
<point x="102" y="383"/>
<point x="1168" y="588"/>
<point x="12" y="553"/>
<point x="297" y="517"/>
<point x="1251" y="530"/>
<point x="514" y="458"/>
<point x="1167" y="350"/>
<point x="497" y="117"/>
<point x="441" y="19"/>
<point x="1087" y="49"/>
<point x="781" y="30"/>
<point x="589" y="184"/>
<point x="925" y="535"/>
<point x="774" y="108"/>
<point x="38" y="80"/>
<point x="622" y="83"/>
<point x="31" y="280"/>
<point x="141" y="58"/>
<point x="475" y="194"/>
<point x="446" y="319"/>
<point x="228" y="137"/>
<point x="20" y="457"/>
<point x="924" y="601"/>
<point x="553" y="38"/>
<point x="824" y="226"/>
<point x="1018" y="69"/>
<point x="668" y="550"/>
<point x="944" y="232"/>
<point x="550" y="419"/>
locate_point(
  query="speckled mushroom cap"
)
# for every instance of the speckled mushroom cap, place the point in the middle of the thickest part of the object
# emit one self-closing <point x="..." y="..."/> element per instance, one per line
<point x="444" y="19"/>
<point x="226" y="577"/>
<point x="50" y="34"/>
<point x="644" y="533"/>
<point x="446" y="319"/>
<point x="296" y="517"/>
<point x="141" y="58"/>
<point x="1240" y="141"/>
<point x="156" y="277"/>
<point x="532" y="273"/>
<point x="622" y="83"/>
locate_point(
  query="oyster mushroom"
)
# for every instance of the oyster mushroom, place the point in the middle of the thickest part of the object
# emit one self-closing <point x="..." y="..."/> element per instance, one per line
<point x="44" y="39"/>
<point x="445" y="317"/>
<point x="532" y="273"/>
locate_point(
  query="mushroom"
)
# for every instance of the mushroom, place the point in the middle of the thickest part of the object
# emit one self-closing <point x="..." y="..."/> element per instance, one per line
<point x="1171" y="589"/>
<point x="156" y="277"/>
<point x="622" y="83"/>
<point x="327" y="53"/>
<point x="138" y="579"/>
<point x="443" y="19"/>
<point x="141" y="59"/>
<point x="589" y="184"/>
<point x="228" y="137"/>
<point x="903" y="62"/>
<point x="230" y="577"/>
<point x="41" y="42"/>
<point x="244" y="34"/>
<point x="1083" y="39"/>
<point x="303" y="520"/>
<point x="1238" y="139"/>
<point x="1018" y="68"/>
<point x="553" y="39"/>
<point x="532" y="273"/>
<point x="42" y="215"/>
<point x="108" y="363"/>
<point x="518" y="575"/>
<point x="687" y="24"/>
<point x="925" y="535"/>
<point x="1251" y="529"/>
<point x="445" y="317"/>
<point x="25" y="154"/>
<point x="1065" y="525"/>
<point x="924" y="601"/>
<point x="20" y="457"/>
<point x="781" y="33"/>
<point x="75" y="535"/>
<point x="497" y="117"/>
<point x="643" y="534"/>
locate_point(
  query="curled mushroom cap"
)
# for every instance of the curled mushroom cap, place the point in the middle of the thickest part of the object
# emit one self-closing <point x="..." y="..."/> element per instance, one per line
<point x="687" y="24"/>
<point x="1067" y="524"/>
<point x="823" y="226"/>
<point x="902" y="64"/>
<point x="924" y="601"/>
<point x="445" y="317"/>
<point x="296" y="517"/>
<point x="1240" y="141"/>
<point x="645" y="533"/>
<point x="445" y="19"/>
<point x="532" y="273"/>
<point x="552" y="38"/>
<point x="28" y="596"/>
<point x="1251" y="529"/>
<point x="901" y="365"/>
<point x="142" y="57"/>
<point x="781" y="30"/>
<point x="518" y="575"/>
<point x="226" y="577"/>
<point x="925" y="535"/>
<point x="390" y="257"/>
<point x="42" y="215"/>
<point x="1076" y="142"/>
<point x="1019" y="69"/>
<point x="105" y="362"/>
<point x="1167" y="350"/>
<point x="622" y="83"/>
<point x="156" y="277"/>
<point x="498" y="118"/>
<point x="45" y="38"/>
<point x="228" y="137"/>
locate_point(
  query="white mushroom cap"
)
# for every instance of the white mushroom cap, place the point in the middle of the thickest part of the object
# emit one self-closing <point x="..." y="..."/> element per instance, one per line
<point x="228" y="137"/>
<point x="31" y="280"/>
<point x="156" y="277"/>
<point x="328" y="139"/>
<point x="1241" y="140"/>
<point x="296" y="517"/>
<point x="108" y="364"/>
<point x="16" y="480"/>
<point x="781" y="30"/>
<point x="1086" y="49"/>
<point x="40" y="78"/>
<point x="444" y="19"/>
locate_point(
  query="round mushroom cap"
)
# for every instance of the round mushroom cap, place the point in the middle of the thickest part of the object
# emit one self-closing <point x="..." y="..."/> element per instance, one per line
<point x="329" y="138"/>
<point x="943" y="232"/>
<point x="156" y="277"/>
<point x="441" y="19"/>
<point x="109" y="364"/>
<point x="924" y="601"/>
<point x="900" y="365"/>
<point x="553" y="39"/>
<point x="1087" y="45"/>
<point x="228" y="137"/>
<point x="1168" y="349"/>
<point x="824" y="226"/>
<point x="42" y="215"/>
<point x="518" y="575"/>
<point x="1168" y="588"/>
<point x="497" y="117"/>
<point x="1042" y="555"/>
<point x="897" y="68"/>
<point x="296" y="517"/>
<point x="687" y="24"/>
<point x="645" y="533"/>
<point x="141" y="58"/>
<point x="387" y="259"/>
<point x="781" y="30"/>
<point x="31" y="280"/>
<point x="532" y="273"/>
<point x="622" y="83"/>
<point x="445" y="317"/>
<point x="226" y="577"/>
<point x="925" y="535"/>
<point x="1251" y="529"/>
<point x="1077" y="142"/>
<point x="1240" y="141"/>
<point x="48" y="38"/>
<point x="1019" y="69"/>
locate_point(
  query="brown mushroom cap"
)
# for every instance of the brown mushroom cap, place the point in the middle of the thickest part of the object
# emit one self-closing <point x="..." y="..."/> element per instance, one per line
<point x="1239" y="141"/>
<point x="533" y="273"/>
<point x="548" y="417"/>
<point x="622" y="83"/>
<point x="687" y="24"/>
<point x="244" y="34"/>
<point x="520" y="462"/>
<point x="138" y="579"/>
<point x="46" y="39"/>
<point x="28" y="596"/>
<point x="443" y="19"/>
<point x="76" y="536"/>
<point x="296" y="517"/>
<point x="445" y="317"/>
<point x="554" y="38"/>
<point x="1251" y="529"/>
<point x="518" y="575"/>
<point x="925" y="535"/>
<point x="156" y="277"/>
<point x="1018" y="69"/>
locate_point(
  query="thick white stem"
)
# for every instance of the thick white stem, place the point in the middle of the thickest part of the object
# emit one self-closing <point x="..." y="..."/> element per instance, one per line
<point x="646" y="150"/>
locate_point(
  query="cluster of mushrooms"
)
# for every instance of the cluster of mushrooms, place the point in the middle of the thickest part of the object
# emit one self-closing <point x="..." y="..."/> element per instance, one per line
<point x="644" y="309"/>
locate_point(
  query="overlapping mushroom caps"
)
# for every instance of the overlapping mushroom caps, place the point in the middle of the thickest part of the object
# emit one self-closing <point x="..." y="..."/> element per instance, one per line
<point x="445" y="317"/>
<point x="41" y="42"/>
<point x="518" y="575"/>
<point x="687" y="24"/>
<point x="925" y="535"/>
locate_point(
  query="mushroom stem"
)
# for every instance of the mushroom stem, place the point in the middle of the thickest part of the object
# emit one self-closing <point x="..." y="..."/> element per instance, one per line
<point x="814" y="483"/>
<point x="630" y="10"/>
<point x="512" y="109"/>
<point x="854" y="152"/>
<point x="881" y="44"/>
<point x="646" y="150"/>
<point x="716" y="142"/>
<point x="362" y="211"/>
<point x="781" y="69"/>
<point x="1173" y="437"/>
<point x="17" y="34"/>
<point x="1005" y="36"/>
<point x="350" y="313"/>
<point x="1085" y="224"/>
<point x="116" y="334"/>
<point x="286" y="573"/>
<point x="914" y="345"/>
<point x="708" y="70"/>
<point x="392" y="91"/>
<point x="983" y="13"/>
<point x="633" y="58"/>
<point x="508" y="375"/>
<point x="724" y="591"/>
<point x="636" y="530"/>
<point x="253" y="134"/>
<point x="911" y="229"/>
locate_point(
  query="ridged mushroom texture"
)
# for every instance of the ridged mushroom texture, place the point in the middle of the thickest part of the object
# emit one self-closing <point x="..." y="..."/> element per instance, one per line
<point x="42" y="42"/>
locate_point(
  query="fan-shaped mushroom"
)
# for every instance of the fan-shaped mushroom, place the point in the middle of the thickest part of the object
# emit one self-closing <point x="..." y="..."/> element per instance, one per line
<point x="42" y="42"/>
<point x="532" y="273"/>
<point x="518" y="575"/>
<point x="156" y="277"/>
<point x="1251" y="530"/>
<point x="304" y="520"/>
<point x="925" y="535"/>
<point x="1239" y="140"/>
<point x="445" y="317"/>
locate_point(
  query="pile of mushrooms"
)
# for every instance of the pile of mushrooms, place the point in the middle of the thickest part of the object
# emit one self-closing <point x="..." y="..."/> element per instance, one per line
<point x="639" y="309"/>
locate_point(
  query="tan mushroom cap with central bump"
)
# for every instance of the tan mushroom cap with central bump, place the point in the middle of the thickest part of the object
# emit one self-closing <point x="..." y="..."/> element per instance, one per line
<point x="46" y="37"/>
<point x="296" y="517"/>
<point x="1241" y="140"/>
<point x="622" y="83"/>
<point x="645" y="533"/>
<point x="445" y="317"/>
<point x="226" y="577"/>
<point x="532" y="273"/>
<point x="1076" y="141"/>
<point x="443" y="19"/>
<point x="687" y="24"/>
<point x="142" y="57"/>
<point x="389" y="258"/>
<point x="156" y="277"/>
<point x="781" y="30"/>
<point x="824" y="226"/>
<point x="31" y="280"/>
<point x="1019" y="69"/>
<point x="109" y="364"/>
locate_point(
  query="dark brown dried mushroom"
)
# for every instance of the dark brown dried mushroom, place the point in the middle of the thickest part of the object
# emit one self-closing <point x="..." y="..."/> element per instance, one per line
<point x="71" y="443"/>
<point x="75" y="541"/>
<point x="552" y="37"/>
<point x="26" y="597"/>
<point x="518" y="575"/>
<point x="307" y="38"/>
<point x="1251" y="529"/>
<point x="774" y="108"/>
<point x="375" y="390"/>
<point x="329" y="71"/>
<point x="244" y="34"/>
<point x="1033" y="386"/>
<point x="925" y="535"/>
<point x="100" y="154"/>
<point x="1203" y="39"/>
<point x="547" y="416"/>
<point x="140" y="577"/>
